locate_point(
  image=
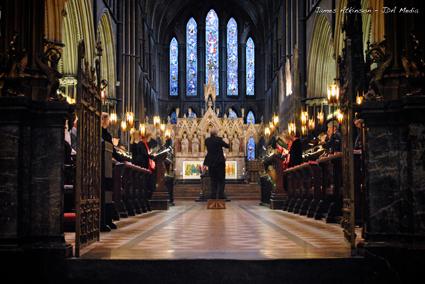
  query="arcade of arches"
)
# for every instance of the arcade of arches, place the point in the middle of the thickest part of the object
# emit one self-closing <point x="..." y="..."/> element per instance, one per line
<point x="105" y="111"/>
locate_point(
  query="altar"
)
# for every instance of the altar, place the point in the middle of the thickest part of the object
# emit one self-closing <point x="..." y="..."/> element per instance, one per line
<point x="189" y="132"/>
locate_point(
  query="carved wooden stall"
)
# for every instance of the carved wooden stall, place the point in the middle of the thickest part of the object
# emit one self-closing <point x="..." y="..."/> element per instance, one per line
<point x="88" y="174"/>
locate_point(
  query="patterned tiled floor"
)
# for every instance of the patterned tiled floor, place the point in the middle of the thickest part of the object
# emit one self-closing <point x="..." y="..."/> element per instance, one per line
<point x="242" y="231"/>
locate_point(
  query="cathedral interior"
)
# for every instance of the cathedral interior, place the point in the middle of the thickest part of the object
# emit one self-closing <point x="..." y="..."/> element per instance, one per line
<point x="107" y="109"/>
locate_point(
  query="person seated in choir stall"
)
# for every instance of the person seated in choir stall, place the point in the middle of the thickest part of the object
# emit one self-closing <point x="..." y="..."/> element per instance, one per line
<point x="168" y="142"/>
<point x="74" y="133"/>
<point x="67" y="146"/>
<point x="358" y="143"/>
<point x="295" y="151"/>
<point x="333" y="141"/>
<point x="190" y="113"/>
<point x="107" y="137"/>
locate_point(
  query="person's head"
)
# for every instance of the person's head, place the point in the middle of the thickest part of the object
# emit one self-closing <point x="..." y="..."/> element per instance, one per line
<point x="75" y="122"/>
<point x="105" y="120"/>
<point x="213" y="132"/>
<point x="331" y="128"/>
<point x="358" y="123"/>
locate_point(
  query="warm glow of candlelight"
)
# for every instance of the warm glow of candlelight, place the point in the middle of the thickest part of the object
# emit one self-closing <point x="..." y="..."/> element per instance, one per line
<point x="333" y="94"/>
<point x="123" y="125"/>
<point x="304" y="117"/>
<point x="339" y="116"/>
<point x="275" y="119"/>
<point x="359" y="99"/>
<point x="142" y="129"/>
<point x="113" y="118"/>
<point x="320" y="117"/>
<point x="162" y="127"/>
<point x="292" y="128"/>
<point x="130" y="118"/>
<point x="267" y="131"/>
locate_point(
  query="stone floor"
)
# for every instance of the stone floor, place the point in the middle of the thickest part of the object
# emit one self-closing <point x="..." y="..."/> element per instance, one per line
<point x="244" y="230"/>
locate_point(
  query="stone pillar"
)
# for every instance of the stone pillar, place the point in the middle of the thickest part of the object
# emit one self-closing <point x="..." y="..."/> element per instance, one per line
<point x="31" y="171"/>
<point x="395" y="160"/>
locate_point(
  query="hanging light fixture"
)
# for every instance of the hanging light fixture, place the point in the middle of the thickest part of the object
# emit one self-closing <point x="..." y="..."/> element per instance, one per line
<point x="320" y="117"/>
<point x="359" y="99"/>
<point x="292" y="128"/>
<point x="311" y="124"/>
<point x="333" y="94"/>
<point x="113" y="118"/>
<point x="130" y="118"/>
<point x="304" y="117"/>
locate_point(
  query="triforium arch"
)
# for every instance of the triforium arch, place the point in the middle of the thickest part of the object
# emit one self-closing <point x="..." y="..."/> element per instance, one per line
<point x="77" y="25"/>
<point x="108" y="62"/>
<point x="321" y="58"/>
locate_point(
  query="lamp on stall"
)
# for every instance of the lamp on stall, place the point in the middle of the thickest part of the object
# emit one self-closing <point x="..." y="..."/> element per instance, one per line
<point x="304" y="117"/>
<point x="339" y="116"/>
<point x="333" y="94"/>
<point x="311" y="124"/>
<point x="303" y="129"/>
<point x="167" y="133"/>
<point x="142" y="129"/>
<point x="162" y="127"/>
<point x="292" y="128"/>
<point x="320" y="117"/>
<point x="130" y="118"/>
<point x="359" y="99"/>
<point x="267" y="132"/>
<point x="156" y="120"/>
<point x="275" y="120"/>
<point x="123" y="125"/>
<point x="113" y="118"/>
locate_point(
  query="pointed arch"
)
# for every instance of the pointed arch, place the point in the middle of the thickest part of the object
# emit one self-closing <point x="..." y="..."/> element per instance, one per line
<point x="191" y="58"/>
<point x="108" y="61"/>
<point x="174" y="67"/>
<point x="212" y="48"/>
<point x="250" y="67"/>
<point x="321" y="61"/>
<point x="232" y="57"/>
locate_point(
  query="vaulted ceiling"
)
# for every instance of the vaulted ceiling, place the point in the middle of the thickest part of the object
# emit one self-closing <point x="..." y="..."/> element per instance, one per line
<point x="164" y="13"/>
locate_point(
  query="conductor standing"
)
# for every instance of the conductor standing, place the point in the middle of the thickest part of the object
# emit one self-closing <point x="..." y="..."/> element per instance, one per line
<point x="216" y="163"/>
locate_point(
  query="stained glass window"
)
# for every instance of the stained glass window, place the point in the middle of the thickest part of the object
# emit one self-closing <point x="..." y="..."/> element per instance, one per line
<point x="174" y="67"/>
<point x="191" y="57"/>
<point x="250" y="118"/>
<point x="211" y="47"/>
<point x="251" y="149"/>
<point x="250" y="67"/>
<point x="173" y="118"/>
<point x="232" y="58"/>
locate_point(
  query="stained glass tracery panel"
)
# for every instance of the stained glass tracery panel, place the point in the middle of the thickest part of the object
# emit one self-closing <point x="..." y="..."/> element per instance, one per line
<point x="250" y="67"/>
<point x="250" y="118"/>
<point x="191" y="57"/>
<point x="232" y="58"/>
<point x="251" y="149"/>
<point x="211" y="48"/>
<point x="174" y="67"/>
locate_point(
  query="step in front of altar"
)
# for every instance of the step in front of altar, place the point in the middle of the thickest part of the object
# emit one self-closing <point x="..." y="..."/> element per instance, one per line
<point x="245" y="191"/>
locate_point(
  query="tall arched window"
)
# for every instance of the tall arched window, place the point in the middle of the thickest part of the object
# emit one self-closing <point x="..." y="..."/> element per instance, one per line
<point x="191" y="58"/>
<point x="174" y="67"/>
<point x="173" y="117"/>
<point x="211" y="48"/>
<point x="250" y="149"/>
<point x="250" y="67"/>
<point x="250" y="118"/>
<point x="232" y="58"/>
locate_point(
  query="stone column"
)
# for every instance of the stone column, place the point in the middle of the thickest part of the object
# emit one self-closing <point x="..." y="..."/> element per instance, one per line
<point x="395" y="163"/>
<point x="32" y="192"/>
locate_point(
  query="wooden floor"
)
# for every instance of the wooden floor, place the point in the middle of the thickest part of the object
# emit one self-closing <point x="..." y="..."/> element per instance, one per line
<point x="244" y="230"/>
